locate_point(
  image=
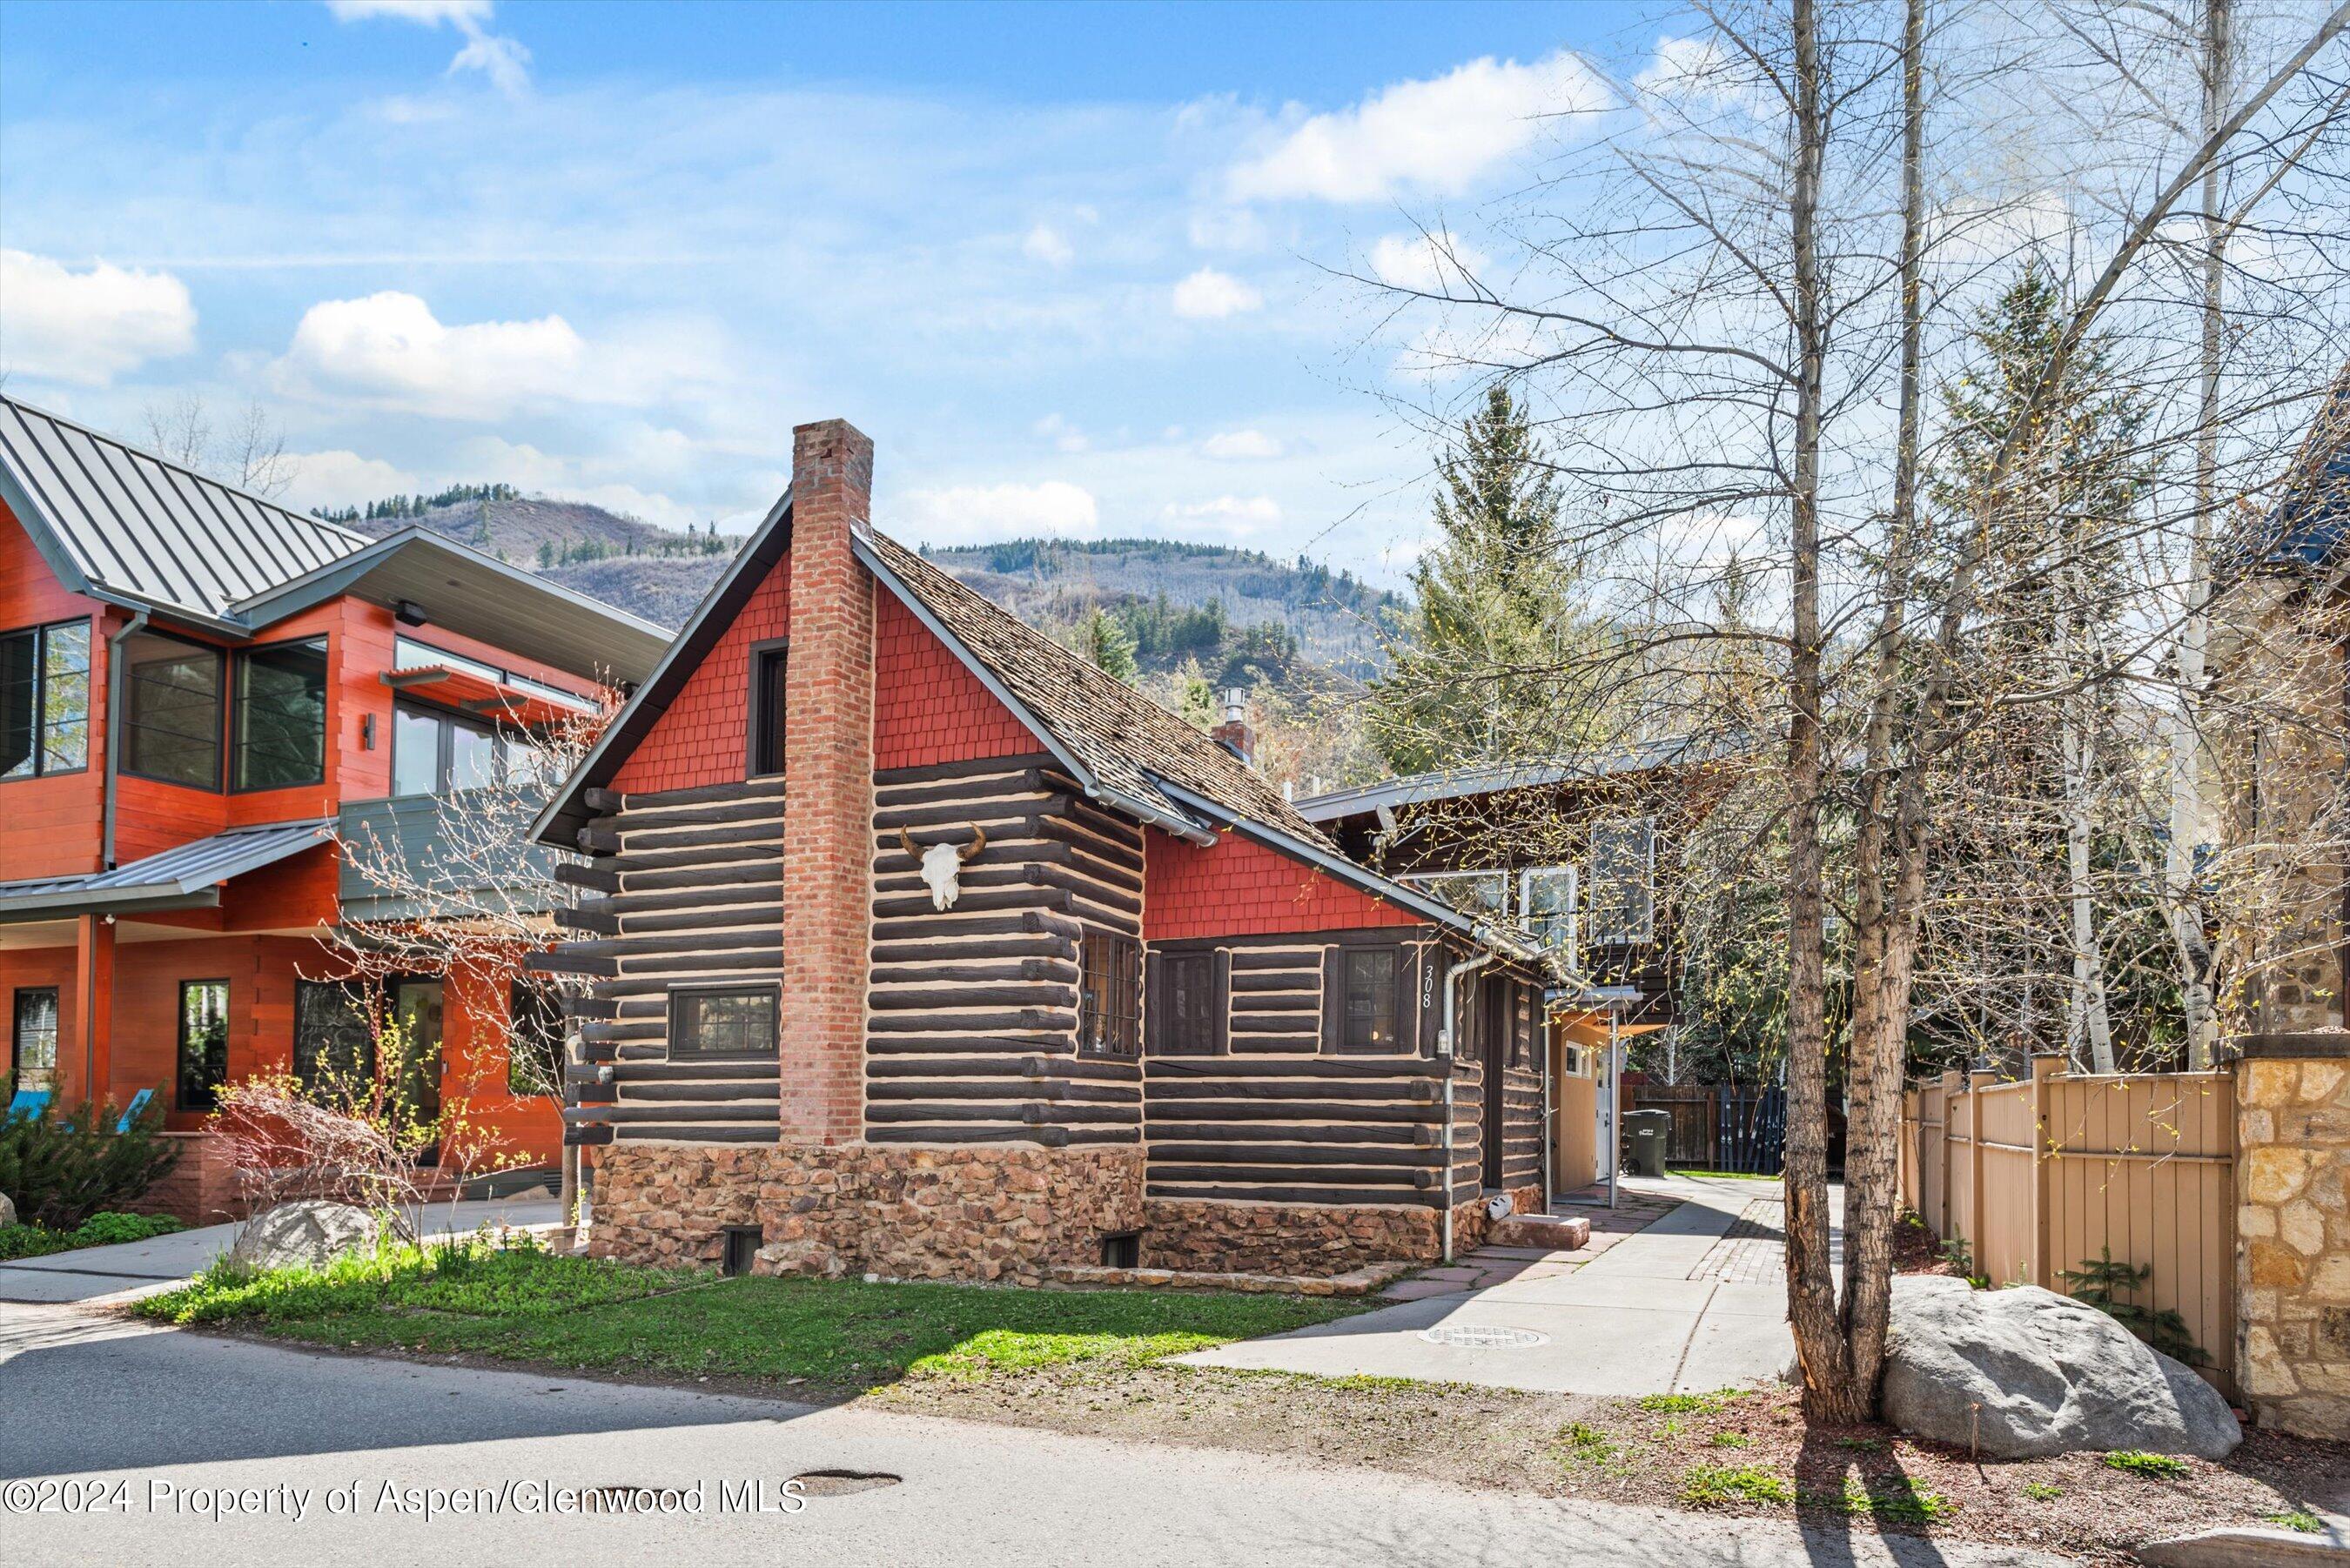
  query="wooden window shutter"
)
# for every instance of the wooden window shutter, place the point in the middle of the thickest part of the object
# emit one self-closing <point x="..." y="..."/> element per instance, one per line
<point x="1221" y="1002"/>
<point x="1334" y="998"/>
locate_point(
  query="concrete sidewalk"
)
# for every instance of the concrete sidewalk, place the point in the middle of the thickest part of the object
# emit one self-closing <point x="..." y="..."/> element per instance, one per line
<point x="1693" y="1302"/>
<point x="140" y="1268"/>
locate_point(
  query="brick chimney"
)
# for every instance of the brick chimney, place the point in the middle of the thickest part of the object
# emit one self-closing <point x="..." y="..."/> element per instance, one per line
<point x="828" y="789"/>
<point x="1234" y="733"/>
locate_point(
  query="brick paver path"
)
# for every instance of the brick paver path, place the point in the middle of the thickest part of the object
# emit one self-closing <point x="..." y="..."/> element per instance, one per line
<point x="1752" y="1250"/>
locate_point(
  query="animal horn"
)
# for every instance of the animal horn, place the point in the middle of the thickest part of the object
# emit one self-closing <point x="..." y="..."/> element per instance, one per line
<point x="907" y="839"/>
<point x="978" y="842"/>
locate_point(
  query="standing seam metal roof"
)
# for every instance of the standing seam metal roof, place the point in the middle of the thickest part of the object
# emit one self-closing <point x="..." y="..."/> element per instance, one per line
<point x="138" y="527"/>
<point x="183" y="869"/>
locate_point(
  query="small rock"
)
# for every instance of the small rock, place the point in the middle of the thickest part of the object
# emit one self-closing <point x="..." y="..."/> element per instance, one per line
<point x="305" y="1234"/>
<point x="2025" y="1373"/>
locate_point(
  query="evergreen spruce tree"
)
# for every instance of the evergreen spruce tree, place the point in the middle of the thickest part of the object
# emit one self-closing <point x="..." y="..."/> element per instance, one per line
<point x="1476" y="675"/>
<point x="1106" y="645"/>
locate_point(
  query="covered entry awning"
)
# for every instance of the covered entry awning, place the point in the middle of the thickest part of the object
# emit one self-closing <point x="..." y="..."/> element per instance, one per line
<point x="186" y="876"/>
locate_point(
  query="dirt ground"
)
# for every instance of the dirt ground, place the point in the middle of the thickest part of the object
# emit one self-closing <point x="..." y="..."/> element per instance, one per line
<point x="1747" y="1454"/>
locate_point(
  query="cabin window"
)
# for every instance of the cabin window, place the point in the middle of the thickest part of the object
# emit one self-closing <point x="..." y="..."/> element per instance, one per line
<point x="1189" y="1006"/>
<point x="281" y="716"/>
<point x="34" y="1032"/>
<point x="533" y="1039"/>
<point x="45" y="701"/>
<point x="768" y="698"/>
<point x="170" y="709"/>
<point x="203" y="1045"/>
<point x="1622" y="882"/>
<point x="1109" y="1005"/>
<point x="736" y="1022"/>
<point x="1547" y="900"/>
<point x="334" y="1041"/>
<point x="1367" y="995"/>
<point x="433" y="753"/>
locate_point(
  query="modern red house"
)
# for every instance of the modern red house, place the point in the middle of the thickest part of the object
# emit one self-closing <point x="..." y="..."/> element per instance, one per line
<point x="923" y="948"/>
<point x="199" y="690"/>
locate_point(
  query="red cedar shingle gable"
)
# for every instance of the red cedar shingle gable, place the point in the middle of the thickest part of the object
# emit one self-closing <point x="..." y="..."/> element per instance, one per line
<point x="1242" y="889"/>
<point x="703" y="737"/>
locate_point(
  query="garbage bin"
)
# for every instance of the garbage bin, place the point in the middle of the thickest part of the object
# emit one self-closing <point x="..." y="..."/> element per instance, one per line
<point x="1647" y="1134"/>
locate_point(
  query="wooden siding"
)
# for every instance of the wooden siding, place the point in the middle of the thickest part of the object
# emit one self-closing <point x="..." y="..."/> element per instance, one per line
<point x="971" y="1033"/>
<point x="695" y="897"/>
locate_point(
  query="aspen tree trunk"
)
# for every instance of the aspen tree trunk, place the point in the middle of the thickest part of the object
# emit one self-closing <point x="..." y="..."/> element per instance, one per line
<point x="2188" y="754"/>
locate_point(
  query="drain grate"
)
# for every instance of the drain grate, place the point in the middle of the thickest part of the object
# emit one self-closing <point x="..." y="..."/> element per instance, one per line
<point x="840" y="1484"/>
<point x="1481" y="1337"/>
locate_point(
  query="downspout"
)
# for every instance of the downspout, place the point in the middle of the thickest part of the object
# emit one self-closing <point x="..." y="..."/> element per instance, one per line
<point x="1444" y="1048"/>
<point x="114" y="642"/>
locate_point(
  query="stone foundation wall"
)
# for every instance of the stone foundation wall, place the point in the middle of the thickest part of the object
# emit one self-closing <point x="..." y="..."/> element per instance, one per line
<point x="1237" y="1235"/>
<point x="986" y="1213"/>
<point x="2293" y="1227"/>
<point x="200" y="1187"/>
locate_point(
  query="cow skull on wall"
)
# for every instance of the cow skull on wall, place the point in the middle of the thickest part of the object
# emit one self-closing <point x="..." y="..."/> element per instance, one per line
<point x="942" y="864"/>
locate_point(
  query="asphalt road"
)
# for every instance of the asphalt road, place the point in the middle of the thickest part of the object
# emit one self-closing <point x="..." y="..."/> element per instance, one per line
<point x="199" y="1451"/>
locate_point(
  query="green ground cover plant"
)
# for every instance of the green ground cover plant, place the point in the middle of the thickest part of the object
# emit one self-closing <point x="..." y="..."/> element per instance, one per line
<point x="104" y="1230"/>
<point x="1710" y="1486"/>
<point x="830" y="1336"/>
<point x="2160" y="1466"/>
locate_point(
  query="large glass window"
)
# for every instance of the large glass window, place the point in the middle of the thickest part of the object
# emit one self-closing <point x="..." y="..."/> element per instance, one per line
<point x="45" y="701"/>
<point x="281" y="716"/>
<point x="1547" y="900"/>
<point x="1369" y="981"/>
<point x="34" y="1036"/>
<point x="729" y="1023"/>
<point x="170" y="709"/>
<point x="533" y="1039"/>
<point x="1109" y="1005"/>
<point x="1188" y="1005"/>
<point x="433" y="753"/>
<point x="1622" y="882"/>
<point x="203" y="1043"/>
<point x="767" y="709"/>
<point x="334" y="1048"/>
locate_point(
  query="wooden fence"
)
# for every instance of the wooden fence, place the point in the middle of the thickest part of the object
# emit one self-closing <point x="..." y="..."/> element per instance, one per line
<point x="2043" y="1174"/>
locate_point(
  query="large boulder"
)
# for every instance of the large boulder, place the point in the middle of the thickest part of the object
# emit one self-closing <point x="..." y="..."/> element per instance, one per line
<point x="2025" y="1373"/>
<point x="8" y="1209"/>
<point x="308" y="1234"/>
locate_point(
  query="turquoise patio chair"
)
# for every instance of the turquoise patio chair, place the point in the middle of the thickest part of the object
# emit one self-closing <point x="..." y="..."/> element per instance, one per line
<point x="28" y="1104"/>
<point x="130" y="1113"/>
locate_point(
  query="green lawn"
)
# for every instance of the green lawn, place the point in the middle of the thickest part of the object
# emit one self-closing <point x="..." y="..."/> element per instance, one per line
<point x="830" y="1336"/>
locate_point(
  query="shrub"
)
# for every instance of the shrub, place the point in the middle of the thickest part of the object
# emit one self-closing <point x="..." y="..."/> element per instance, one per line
<point x="106" y="1229"/>
<point x="2102" y="1283"/>
<point x="63" y="1168"/>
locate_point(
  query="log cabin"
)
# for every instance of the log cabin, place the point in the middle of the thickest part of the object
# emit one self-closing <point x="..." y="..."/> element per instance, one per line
<point x="925" y="948"/>
<point x="202" y="693"/>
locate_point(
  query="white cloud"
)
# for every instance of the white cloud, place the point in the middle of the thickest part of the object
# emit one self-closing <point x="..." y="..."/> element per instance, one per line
<point x="501" y="58"/>
<point x="1227" y="229"/>
<point x="389" y="349"/>
<point x="89" y="326"/>
<point x="1439" y="136"/>
<point x="344" y="478"/>
<point x="971" y="514"/>
<point x="1211" y="295"/>
<point x="1431" y="263"/>
<point x="1240" y="446"/>
<point x="1065" y="436"/>
<point x="1045" y="244"/>
<point x="1238" y="516"/>
<point x="1699" y="72"/>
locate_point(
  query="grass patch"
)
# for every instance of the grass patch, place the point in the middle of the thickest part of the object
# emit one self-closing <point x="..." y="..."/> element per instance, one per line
<point x="2159" y="1467"/>
<point x="1862" y="1445"/>
<point x="1712" y="1486"/>
<point x="106" y="1230"/>
<point x="1724" y="1175"/>
<point x="1895" y="1500"/>
<point x="2299" y="1519"/>
<point x="1587" y="1445"/>
<point x="1730" y="1439"/>
<point x="1690" y="1403"/>
<point x="523" y="1304"/>
<point x="2042" y="1491"/>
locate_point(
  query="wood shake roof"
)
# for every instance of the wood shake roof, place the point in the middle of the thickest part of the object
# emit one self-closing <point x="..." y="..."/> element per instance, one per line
<point x="1125" y="739"/>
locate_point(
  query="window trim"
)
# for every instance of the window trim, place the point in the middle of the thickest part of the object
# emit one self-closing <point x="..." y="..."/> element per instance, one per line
<point x="1342" y="964"/>
<point x="771" y="989"/>
<point x="220" y="711"/>
<point x="40" y="633"/>
<point x="776" y="649"/>
<point x="235" y="702"/>
<point x="1593" y="933"/>
<point x="180" y="1047"/>
<point x="445" y="755"/>
<point x="1120" y="946"/>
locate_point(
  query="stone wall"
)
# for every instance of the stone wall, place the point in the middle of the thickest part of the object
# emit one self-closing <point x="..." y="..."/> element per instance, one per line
<point x="200" y="1187"/>
<point x="2293" y="1248"/>
<point x="1238" y="1236"/>
<point x="987" y="1212"/>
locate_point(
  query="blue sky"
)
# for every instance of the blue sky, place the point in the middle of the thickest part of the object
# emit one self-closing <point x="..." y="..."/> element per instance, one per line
<point x="1067" y="264"/>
